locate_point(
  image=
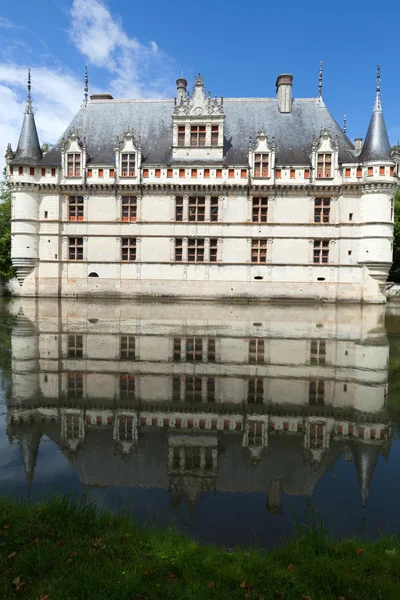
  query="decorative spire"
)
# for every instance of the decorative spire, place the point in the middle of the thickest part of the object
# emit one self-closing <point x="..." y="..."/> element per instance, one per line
<point x="28" y="151"/>
<point x="28" y="108"/>
<point x="86" y="86"/>
<point x="345" y="122"/>
<point x="320" y="76"/>
<point x="378" y="101"/>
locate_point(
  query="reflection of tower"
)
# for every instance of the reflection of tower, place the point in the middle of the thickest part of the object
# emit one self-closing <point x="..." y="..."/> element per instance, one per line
<point x="365" y="459"/>
<point x="274" y="497"/>
<point x="25" y="360"/>
<point x="29" y="442"/>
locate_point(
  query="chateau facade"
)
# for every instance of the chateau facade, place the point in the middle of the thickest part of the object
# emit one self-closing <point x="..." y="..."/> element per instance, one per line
<point x="201" y="197"/>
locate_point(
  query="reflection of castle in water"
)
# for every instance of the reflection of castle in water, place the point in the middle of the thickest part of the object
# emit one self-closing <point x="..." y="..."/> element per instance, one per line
<point x="194" y="398"/>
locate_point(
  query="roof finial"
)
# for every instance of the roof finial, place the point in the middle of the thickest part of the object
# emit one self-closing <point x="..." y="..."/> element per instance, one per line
<point x="378" y="78"/>
<point x="378" y="101"/>
<point x="29" y="84"/>
<point x="320" y="80"/>
<point x="86" y="85"/>
<point x="28" y="108"/>
<point x="345" y="122"/>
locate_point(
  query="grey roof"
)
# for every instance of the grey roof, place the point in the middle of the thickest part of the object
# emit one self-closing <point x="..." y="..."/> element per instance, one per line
<point x="101" y="121"/>
<point x="28" y="150"/>
<point x="376" y="146"/>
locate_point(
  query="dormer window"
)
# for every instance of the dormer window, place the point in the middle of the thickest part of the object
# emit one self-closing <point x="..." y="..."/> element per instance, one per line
<point x="128" y="165"/>
<point x="261" y="165"/>
<point x="74" y="165"/>
<point x="324" y="165"/>
<point x="181" y="135"/>
<point x="214" y="135"/>
<point x="198" y="135"/>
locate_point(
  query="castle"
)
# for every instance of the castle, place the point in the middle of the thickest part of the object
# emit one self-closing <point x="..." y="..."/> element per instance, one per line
<point x="201" y="198"/>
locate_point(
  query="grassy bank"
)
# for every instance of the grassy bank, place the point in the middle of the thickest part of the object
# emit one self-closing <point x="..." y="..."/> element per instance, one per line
<point x="58" y="551"/>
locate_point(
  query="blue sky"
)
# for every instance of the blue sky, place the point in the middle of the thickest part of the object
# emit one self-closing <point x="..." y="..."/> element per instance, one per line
<point x="135" y="49"/>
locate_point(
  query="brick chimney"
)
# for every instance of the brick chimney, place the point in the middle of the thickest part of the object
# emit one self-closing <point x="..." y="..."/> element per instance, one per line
<point x="284" y="92"/>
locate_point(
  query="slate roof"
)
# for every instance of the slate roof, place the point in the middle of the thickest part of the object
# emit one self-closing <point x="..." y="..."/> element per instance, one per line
<point x="376" y="145"/>
<point x="28" y="150"/>
<point x="101" y="121"/>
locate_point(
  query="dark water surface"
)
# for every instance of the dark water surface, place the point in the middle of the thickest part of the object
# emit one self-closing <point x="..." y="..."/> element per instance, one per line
<point x="233" y="420"/>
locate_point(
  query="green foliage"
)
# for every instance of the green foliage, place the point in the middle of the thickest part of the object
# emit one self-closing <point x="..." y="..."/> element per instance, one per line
<point x="61" y="549"/>
<point x="46" y="147"/>
<point x="6" y="270"/>
<point x="394" y="274"/>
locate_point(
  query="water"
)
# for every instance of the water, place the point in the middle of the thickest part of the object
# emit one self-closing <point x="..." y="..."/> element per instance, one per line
<point x="233" y="420"/>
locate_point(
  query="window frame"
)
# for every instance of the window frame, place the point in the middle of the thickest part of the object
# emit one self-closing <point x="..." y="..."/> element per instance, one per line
<point x="321" y="251"/>
<point x="75" y="248"/>
<point x="261" y="165"/>
<point x="74" y="164"/>
<point x="322" y="211"/>
<point x="259" y="251"/>
<point x="127" y="160"/>
<point x="324" y="165"/>
<point x="128" y="249"/>
<point x="129" y="206"/>
<point x="259" y="209"/>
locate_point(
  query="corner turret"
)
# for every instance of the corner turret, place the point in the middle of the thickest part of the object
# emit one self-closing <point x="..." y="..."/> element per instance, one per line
<point x="376" y="146"/>
<point x="28" y="150"/>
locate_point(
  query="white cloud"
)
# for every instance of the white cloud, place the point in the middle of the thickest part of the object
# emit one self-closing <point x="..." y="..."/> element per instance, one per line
<point x="7" y="24"/>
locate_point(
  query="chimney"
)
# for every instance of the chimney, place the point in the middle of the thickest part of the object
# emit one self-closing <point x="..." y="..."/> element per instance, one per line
<point x="181" y="85"/>
<point x="358" y="145"/>
<point x="284" y="93"/>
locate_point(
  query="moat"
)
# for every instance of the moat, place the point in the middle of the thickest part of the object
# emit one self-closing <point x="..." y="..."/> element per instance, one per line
<point x="233" y="420"/>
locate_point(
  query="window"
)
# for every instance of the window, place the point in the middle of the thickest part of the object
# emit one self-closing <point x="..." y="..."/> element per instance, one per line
<point x="181" y="172"/>
<point x="391" y="171"/>
<point x="243" y="173"/>
<point x="46" y="214"/>
<point x="127" y="386"/>
<point x="129" y="208"/>
<point x="178" y="249"/>
<point x="260" y="210"/>
<point x="20" y="170"/>
<point x="231" y="173"/>
<point x="211" y="350"/>
<point x="111" y="173"/>
<point x="318" y="352"/>
<point x="292" y="174"/>
<point x="321" y="251"/>
<point x="255" y="433"/>
<point x="214" y="209"/>
<point x="322" y="210"/>
<point x="194" y="172"/>
<point x="255" y="390"/>
<point x="75" y="208"/>
<point x="179" y="208"/>
<point x="261" y="165"/>
<point x="306" y="173"/>
<point x="316" y="392"/>
<point x="90" y="172"/>
<point x="193" y="389"/>
<point x="359" y="172"/>
<point x="256" y="351"/>
<point x="258" y="251"/>
<point x="11" y="170"/>
<point x="181" y="135"/>
<point x="196" y="250"/>
<point x="101" y="173"/>
<point x="370" y="172"/>
<point x="278" y="173"/>
<point x="157" y="172"/>
<point x="43" y="172"/>
<point x="75" y="247"/>
<point x="128" y="165"/>
<point x="75" y="385"/>
<point x="218" y="173"/>
<point x="53" y="172"/>
<point x="128" y="249"/>
<point x="316" y="435"/>
<point x="324" y="165"/>
<point x="74" y="165"/>
<point x="75" y="346"/>
<point x="145" y="172"/>
<point x="214" y="135"/>
<point x="391" y="209"/>
<point x="206" y="172"/>
<point x="198" y="135"/>
<point x="347" y="173"/>
<point x="197" y="209"/>
<point x="170" y="173"/>
<point x="194" y="349"/>
<point x="177" y="350"/>
<point x="350" y="216"/>
<point x="213" y="249"/>
<point x="127" y="347"/>
<point x="32" y="171"/>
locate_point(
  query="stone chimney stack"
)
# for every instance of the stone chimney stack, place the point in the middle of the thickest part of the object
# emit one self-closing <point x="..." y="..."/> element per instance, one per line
<point x="284" y="93"/>
<point x="181" y="85"/>
<point x="358" y="144"/>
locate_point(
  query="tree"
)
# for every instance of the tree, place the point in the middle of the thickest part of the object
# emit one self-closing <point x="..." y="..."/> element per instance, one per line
<point x="6" y="269"/>
<point x="394" y="274"/>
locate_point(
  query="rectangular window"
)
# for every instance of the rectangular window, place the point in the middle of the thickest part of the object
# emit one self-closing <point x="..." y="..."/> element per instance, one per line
<point x="128" y="249"/>
<point x="261" y="165"/>
<point x="243" y="173"/>
<point x="194" y="394"/>
<point x="194" y="349"/>
<point x="178" y="249"/>
<point x="129" y="208"/>
<point x="211" y="350"/>
<point x="157" y="172"/>
<point x="198" y="135"/>
<point x="218" y="173"/>
<point x="75" y="346"/>
<point x="111" y="173"/>
<point x="145" y="172"/>
<point x="213" y="249"/>
<point x="214" y="209"/>
<point x="20" y="170"/>
<point x="370" y="172"/>
<point x="194" y="172"/>
<point x="75" y="385"/>
<point x="75" y="248"/>
<point x="43" y="172"/>
<point x="256" y="351"/>
<point x="101" y="173"/>
<point x="255" y="390"/>
<point x="324" y="165"/>
<point x="231" y="173"/>
<point x="74" y="165"/>
<point x="53" y="172"/>
<point x="260" y="210"/>
<point x="11" y="170"/>
<point x="181" y="135"/>
<point x="316" y="392"/>
<point x="306" y="173"/>
<point x="177" y="350"/>
<point x="347" y="173"/>
<point x="90" y="173"/>
<point x="197" y="209"/>
<point x="127" y="386"/>
<point x="292" y="174"/>
<point x="317" y="435"/>
<point x="170" y="173"/>
<point x="46" y="214"/>
<point x="391" y="171"/>
<point x="318" y="352"/>
<point x="206" y="173"/>
<point x="321" y="251"/>
<point x="181" y="172"/>
<point x="322" y="210"/>
<point x="32" y="171"/>
<point x="258" y="251"/>
<point x="179" y="208"/>
<point x="350" y="216"/>
<point x="278" y="173"/>
<point x="128" y="165"/>
<point x="127" y="347"/>
<point x="359" y="172"/>
<point x="196" y="250"/>
<point x="214" y="135"/>
<point x="75" y="208"/>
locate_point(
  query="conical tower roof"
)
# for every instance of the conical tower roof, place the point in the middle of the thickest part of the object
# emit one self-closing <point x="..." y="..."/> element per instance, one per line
<point x="29" y="442"/>
<point x="28" y="150"/>
<point x="365" y="459"/>
<point x="376" y="146"/>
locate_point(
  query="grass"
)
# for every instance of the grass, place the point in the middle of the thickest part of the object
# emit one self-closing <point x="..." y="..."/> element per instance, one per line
<point x="59" y="550"/>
